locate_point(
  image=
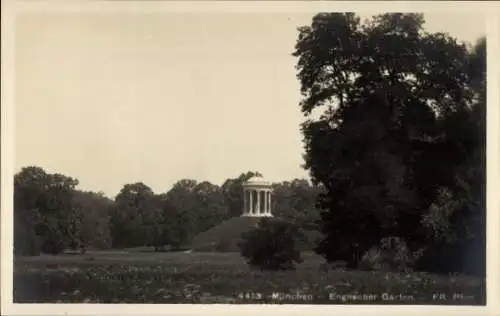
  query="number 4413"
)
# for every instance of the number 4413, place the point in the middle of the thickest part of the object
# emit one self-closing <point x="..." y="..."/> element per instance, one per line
<point x="250" y="296"/>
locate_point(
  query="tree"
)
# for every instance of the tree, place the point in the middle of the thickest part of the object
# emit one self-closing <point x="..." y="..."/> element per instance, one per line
<point x="271" y="246"/>
<point x="211" y="208"/>
<point x="457" y="219"/>
<point x="44" y="211"/>
<point x="295" y="201"/>
<point x="133" y="205"/>
<point x="95" y="209"/>
<point x="383" y="89"/>
<point x="28" y="187"/>
<point x="181" y="212"/>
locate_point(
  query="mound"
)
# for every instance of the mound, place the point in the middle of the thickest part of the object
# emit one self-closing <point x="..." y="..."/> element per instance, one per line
<point x="225" y="236"/>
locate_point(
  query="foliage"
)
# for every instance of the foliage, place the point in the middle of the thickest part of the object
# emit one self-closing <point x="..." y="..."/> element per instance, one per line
<point x="393" y="114"/>
<point x="129" y="215"/>
<point x="182" y="212"/>
<point x="271" y="246"/>
<point x="179" y="224"/>
<point x="391" y="255"/>
<point x="455" y="223"/>
<point x="44" y="216"/>
<point x="211" y="206"/>
<point x="95" y="208"/>
<point x="294" y="201"/>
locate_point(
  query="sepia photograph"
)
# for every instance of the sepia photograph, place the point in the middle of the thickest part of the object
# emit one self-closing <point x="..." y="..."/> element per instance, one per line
<point x="261" y="157"/>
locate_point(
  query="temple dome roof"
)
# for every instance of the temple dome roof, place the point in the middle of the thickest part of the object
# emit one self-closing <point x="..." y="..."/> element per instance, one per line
<point x="257" y="181"/>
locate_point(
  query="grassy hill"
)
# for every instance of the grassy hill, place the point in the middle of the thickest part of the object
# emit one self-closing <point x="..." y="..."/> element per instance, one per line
<point x="226" y="236"/>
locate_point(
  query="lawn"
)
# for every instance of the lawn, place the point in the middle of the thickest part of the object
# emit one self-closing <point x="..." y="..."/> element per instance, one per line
<point x="137" y="277"/>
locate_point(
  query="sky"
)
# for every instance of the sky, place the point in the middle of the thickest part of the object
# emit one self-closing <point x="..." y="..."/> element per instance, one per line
<point x="116" y="98"/>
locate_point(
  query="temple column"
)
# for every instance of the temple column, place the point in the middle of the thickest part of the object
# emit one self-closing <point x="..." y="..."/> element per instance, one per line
<point x="251" y="201"/>
<point x="258" y="202"/>
<point x="245" y="206"/>
<point x="269" y="200"/>
<point x="262" y="210"/>
<point x="264" y="207"/>
<point x="266" y="202"/>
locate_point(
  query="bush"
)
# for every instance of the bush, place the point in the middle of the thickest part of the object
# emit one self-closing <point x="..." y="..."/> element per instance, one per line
<point x="391" y="255"/>
<point x="272" y="246"/>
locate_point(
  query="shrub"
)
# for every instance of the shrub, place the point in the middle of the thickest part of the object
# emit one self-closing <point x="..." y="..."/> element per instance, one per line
<point x="272" y="246"/>
<point x="391" y="255"/>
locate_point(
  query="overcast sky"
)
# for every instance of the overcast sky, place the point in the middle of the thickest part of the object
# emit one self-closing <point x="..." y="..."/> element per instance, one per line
<point x="118" y="98"/>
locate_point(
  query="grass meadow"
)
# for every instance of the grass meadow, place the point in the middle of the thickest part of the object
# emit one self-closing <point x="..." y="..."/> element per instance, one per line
<point x="208" y="278"/>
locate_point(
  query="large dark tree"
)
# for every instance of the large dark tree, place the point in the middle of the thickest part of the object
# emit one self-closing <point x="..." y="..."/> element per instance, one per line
<point x="456" y="221"/>
<point x="181" y="207"/>
<point x="384" y="91"/>
<point x="95" y="209"/>
<point x="133" y="205"/>
<point x="190" y="208"/>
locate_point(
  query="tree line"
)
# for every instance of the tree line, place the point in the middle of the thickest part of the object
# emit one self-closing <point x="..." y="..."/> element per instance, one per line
<point x="52" y="215"/>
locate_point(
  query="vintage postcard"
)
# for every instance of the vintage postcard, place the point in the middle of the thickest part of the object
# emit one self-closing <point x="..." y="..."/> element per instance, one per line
<point x="254" y="157"/>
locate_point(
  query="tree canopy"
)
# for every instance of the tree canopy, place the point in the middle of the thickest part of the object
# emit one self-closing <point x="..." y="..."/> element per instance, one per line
<point x="399" y="120"/>
<point x="52" y="214"/>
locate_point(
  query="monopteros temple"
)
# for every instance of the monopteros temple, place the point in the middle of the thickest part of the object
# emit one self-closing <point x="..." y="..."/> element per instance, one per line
<point x="257" y="198"/>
